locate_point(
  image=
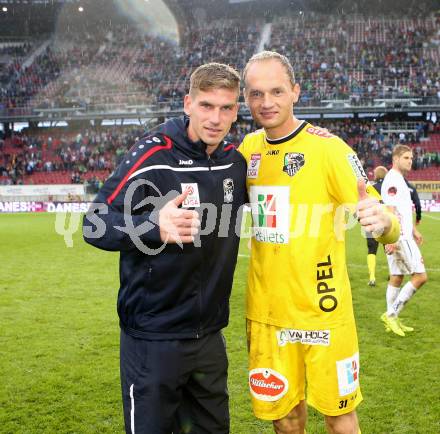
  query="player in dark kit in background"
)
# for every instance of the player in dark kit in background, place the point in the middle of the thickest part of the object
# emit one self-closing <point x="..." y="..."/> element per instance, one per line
<point x="372" y="244"/>
<point x="175" y="283"/>
<point x="415" y="200"/>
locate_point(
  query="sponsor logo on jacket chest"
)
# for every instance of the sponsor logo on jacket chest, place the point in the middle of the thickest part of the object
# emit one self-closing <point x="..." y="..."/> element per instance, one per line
<point x="228" y="190"/>
<point x="193" y="198"/>
<point x="186" y="162"/>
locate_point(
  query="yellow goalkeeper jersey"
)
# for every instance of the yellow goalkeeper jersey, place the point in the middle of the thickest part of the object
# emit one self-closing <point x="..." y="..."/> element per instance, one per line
<point x="300" y="188"/>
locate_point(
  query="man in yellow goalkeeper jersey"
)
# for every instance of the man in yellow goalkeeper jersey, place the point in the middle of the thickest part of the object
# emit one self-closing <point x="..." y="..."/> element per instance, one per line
<point x="300" y="322"/>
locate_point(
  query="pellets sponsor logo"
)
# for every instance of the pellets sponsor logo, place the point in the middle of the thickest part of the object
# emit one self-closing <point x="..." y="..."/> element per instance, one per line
<point x="254" y="166"/>
<point x="267" y="211"/>
<point x="356" y="165"/>
<point x="293" y="161"/>
<point x="270" y="213"/>
<point x="193" y="198"/>
<point x="305" y="337"/>
<point x="348" y="374"/>
<point x="267" y="385"/>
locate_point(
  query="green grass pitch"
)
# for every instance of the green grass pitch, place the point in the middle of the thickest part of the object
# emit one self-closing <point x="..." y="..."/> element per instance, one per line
<point x="59" y="339"/>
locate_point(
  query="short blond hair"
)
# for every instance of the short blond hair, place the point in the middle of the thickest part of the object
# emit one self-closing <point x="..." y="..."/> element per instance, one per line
<point x="214" y="76"/>
<point x="399" y="150"/>
<point x="271" y="55"/>
<point x="379" y="173"/>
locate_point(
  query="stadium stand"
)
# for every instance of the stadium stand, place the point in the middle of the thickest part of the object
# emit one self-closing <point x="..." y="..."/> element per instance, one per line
<point x="54" y="157"/>
<point x="120" y="66"/>
<point x="343" y="59"/>
<point x="361" y="60"/>
<point x="101" y="63"/>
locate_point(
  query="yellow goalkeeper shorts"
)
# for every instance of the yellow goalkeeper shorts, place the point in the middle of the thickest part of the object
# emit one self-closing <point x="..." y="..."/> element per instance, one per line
<point x="282" y="361"/>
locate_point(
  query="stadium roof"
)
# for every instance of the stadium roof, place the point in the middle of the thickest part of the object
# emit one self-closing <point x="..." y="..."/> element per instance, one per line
<point x="237" y="8"/>
<point x="220" y="7"/>
<point x="36" y="2"/>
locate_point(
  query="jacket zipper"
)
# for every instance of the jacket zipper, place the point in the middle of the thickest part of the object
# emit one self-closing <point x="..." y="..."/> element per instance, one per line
<point x="205" y="256"/>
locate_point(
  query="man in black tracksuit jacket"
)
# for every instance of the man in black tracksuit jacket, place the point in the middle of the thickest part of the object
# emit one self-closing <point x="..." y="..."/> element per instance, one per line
<point x="175" y="284"/>
<point x="415" y="200"/>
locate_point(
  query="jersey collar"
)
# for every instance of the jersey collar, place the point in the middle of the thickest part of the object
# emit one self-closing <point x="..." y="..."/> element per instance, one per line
<point x="290" y="136"/>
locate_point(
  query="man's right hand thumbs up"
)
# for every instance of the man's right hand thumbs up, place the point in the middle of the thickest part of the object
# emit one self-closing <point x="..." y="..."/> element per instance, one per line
<point x="371" y="214"/>
<point x="178" y="225"/>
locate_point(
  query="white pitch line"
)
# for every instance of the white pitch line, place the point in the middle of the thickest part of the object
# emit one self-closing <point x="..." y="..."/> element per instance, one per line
<point x="432" y="217"/>
<point x="385" y="267"/>
<point x="353" y="265"/>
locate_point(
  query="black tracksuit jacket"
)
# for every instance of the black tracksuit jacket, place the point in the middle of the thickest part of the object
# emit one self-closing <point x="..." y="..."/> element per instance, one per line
<point x="171" y="291"/>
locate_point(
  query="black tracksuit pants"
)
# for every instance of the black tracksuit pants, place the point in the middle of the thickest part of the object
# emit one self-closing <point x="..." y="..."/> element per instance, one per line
<point x="174" y="386"/>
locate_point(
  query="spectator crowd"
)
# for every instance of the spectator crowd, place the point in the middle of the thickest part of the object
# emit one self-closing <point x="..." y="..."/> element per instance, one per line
<point x="109" y="64"/>
<point x="348" y="58"/>
<point x="79" y="154"/>
<point x="101" y="150"/>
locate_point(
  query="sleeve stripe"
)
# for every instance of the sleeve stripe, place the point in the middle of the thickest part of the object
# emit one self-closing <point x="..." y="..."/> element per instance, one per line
<point x="144" y="157"/>
<point x="229" y="147"/>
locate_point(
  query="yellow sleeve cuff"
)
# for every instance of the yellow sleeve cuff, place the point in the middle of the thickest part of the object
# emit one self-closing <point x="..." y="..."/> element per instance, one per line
<point x="393" y="234"/>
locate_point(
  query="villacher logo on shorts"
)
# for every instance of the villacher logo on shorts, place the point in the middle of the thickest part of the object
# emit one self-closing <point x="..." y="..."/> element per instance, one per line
<point x="267" y="385"/>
